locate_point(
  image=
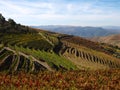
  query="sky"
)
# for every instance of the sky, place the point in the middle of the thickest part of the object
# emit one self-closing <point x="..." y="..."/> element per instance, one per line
<point x="62" y="12"/>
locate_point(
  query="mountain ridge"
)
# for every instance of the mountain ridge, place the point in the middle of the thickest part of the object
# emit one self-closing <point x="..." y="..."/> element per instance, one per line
<point x="87" y="31"/>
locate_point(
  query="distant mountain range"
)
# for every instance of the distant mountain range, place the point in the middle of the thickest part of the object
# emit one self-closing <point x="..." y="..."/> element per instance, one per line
<point x="112" y="27"/>
<point x="82" y="31"/>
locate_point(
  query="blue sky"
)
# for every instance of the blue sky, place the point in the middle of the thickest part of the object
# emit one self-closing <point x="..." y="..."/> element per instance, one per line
<point x="63" y="12"/>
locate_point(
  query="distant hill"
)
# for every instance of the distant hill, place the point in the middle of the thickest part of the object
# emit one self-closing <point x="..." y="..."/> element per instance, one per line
<point x="111" y="39"/>
<point x="79" y="31"/>
<point x="112" y="27"/>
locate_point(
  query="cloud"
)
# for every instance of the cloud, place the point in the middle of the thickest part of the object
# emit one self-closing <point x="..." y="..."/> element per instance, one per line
<point x="26" y="7"/>
<point x="71" y="12"/>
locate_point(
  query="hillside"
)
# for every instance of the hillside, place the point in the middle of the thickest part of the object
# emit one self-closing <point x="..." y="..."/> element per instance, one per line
<point x="32" y="50"/>
<point x="111" y="39"/>
<point x="79" y="30"/>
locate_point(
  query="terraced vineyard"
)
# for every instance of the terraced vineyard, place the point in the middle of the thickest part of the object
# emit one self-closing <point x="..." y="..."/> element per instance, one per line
<point x="33" y="50"/>
<point x="27" y="40"/>
<point x="11" y="60"/>
<point x="85" y="57"/>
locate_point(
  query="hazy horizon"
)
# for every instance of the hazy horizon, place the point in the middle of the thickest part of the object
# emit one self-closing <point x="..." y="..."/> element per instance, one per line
<point x="63" y="12"/>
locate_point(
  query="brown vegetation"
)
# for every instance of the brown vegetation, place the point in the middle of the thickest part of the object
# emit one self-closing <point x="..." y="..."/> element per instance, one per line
<point x="75" y="80"/>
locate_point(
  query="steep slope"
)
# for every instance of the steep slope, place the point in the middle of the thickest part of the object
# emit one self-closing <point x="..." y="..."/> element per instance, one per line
<point x="33" y="50"/>
<point x="112" y="39"/>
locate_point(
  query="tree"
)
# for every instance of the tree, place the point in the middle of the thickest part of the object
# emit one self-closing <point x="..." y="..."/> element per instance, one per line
<point x="11" y="21"/>
<point x="2" y="19"/>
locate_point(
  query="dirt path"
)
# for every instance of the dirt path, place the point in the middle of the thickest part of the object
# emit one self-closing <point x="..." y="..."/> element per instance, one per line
<point x="46" y="39"/>
<point x="4" y="60"/>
